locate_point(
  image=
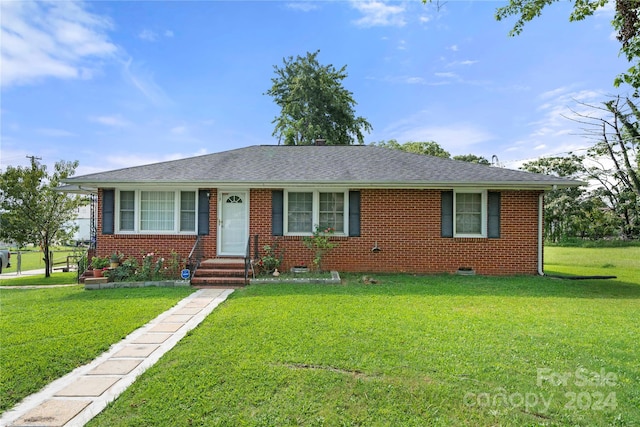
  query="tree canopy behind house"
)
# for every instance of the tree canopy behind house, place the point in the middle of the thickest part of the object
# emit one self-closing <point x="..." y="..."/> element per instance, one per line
<point x="610" y="205"/>
<point x="33" y="211"/>
<point x="430" y="148"/>
<point x="314" y="104"/>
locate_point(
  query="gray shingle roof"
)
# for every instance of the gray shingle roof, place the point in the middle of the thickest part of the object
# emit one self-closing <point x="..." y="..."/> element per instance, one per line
<point x="354" y="166"/>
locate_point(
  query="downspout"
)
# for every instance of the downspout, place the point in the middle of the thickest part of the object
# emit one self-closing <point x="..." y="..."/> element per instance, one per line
<point x="540" y="234"/>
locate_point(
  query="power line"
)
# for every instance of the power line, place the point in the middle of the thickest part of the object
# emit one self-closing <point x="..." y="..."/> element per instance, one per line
<point x="545" y="155"/>
<point x="33" y="158"/>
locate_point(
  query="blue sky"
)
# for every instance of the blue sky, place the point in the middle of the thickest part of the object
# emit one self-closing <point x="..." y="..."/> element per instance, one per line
<point x="118" y="84"/>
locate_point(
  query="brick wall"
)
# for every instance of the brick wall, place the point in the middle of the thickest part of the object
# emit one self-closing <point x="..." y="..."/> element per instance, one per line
<point x="404" y="223"/>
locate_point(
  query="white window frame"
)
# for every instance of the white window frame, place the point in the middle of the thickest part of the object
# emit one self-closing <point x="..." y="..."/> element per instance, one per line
<point x="315" y="209"/>
<point x="137" y="216"/>
<point x="117" y="214"/>
<point x="195" y="211"/>
<point x="483" y="212"/>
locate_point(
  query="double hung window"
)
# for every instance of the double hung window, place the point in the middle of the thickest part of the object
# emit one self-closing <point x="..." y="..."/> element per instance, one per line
<point x="469" y="214"/>
<point x="149" y="211"/>
<point x="306" y="209"/>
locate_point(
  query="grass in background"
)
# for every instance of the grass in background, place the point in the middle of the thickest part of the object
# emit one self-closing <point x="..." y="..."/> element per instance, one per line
<point x="33" y="259"/>
<point x="57" y="278"/>
<point x="623" y="262"/>
<point x="434" y="350"/>
<point x="46" y="333"/>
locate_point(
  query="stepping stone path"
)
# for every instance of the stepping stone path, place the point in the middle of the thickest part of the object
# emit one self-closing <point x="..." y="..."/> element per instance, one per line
<point x="79" y="396"/>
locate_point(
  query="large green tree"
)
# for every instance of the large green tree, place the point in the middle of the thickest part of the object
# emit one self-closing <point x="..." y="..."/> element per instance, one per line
<point x="314" y="104"/>
<point x="626" y="22"/>
<point x="33" y="211"/>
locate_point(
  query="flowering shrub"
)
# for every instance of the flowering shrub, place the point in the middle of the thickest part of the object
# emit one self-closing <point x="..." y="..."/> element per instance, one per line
<point x="320" y="243"/>
<point x="151" y="268"/>
<point x="270" y="260"/>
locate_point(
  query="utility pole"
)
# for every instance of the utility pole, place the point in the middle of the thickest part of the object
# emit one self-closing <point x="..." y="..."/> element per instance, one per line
<point x="33" y="161"/>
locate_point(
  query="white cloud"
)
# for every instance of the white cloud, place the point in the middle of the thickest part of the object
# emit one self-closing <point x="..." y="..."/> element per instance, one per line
<point x="148" y="35"/>
<point x="446" y="75"/>
<point x="55" y="133"/>
<point x="455" y="137"/>
<point x="52" y="39"/>
<point x="607" y="11"/>
<point x="302" y="6"/>
<point x="111" y="121"/>
<point x="454" y="48"/>
<point x="412" y="80"/>
<point x="554" y="92"/>
<point x="144" y="81"/>
<point x="558" y="130"/>
<point x="415" y="80"/>
<point x="464" y="62"/>
<point x="153" y="36"/>
<point x="379" y="14"/>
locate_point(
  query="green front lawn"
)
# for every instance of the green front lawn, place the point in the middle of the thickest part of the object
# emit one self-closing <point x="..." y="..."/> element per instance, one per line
<point x="411" y="350"/>
<point x="57" y="278"/>
<point x="439" y="350"/>
<point x="46" y="333"/>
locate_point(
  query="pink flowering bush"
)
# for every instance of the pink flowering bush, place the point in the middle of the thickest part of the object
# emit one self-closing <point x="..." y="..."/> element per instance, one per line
<point x="320" y="242"/>
<point x="152" y="268"/>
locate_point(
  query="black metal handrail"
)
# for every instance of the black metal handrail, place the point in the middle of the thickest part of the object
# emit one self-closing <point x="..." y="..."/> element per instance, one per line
<point x="248" y="261"/>
<point x="195" y="256"/>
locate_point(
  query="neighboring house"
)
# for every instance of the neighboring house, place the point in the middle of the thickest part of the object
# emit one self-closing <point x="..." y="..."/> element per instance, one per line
<point x="392" y="211"/>
<point x="83" y="222"/>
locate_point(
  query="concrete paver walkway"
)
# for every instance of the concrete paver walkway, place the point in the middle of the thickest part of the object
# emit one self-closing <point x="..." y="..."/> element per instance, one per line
<point x="83" y="393"/>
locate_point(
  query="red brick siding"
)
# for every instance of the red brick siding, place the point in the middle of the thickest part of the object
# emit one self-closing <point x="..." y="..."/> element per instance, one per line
<point x="404" y="223"/>
<point x="137" y="245"/>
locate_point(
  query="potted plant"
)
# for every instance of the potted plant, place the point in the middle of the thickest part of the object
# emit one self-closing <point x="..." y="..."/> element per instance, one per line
<point x="114" y="260"/>
<point x="98" y="263"/>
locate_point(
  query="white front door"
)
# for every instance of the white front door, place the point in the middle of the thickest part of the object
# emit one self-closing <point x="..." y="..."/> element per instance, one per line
<point x="233" y="224"/>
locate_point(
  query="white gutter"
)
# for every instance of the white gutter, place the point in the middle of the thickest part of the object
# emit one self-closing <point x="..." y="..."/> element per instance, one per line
<point x="540" y="234"/>
<point x="507" y="185"/>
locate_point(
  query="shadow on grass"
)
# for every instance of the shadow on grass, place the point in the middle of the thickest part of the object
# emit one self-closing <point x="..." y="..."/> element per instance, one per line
<point x="61" y="294"/>
<point x="129" y="293"/>
<point x="442" y="285"/>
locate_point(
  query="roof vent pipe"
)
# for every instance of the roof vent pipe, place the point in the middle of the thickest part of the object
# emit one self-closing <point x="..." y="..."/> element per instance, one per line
<point x="320" y="142"/>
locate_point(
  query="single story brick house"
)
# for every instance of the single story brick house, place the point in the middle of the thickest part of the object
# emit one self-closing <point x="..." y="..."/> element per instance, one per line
<point x="393" y="211"/>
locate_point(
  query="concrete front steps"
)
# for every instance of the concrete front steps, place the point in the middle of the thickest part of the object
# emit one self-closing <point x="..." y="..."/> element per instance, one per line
<point x="220" y="273"/>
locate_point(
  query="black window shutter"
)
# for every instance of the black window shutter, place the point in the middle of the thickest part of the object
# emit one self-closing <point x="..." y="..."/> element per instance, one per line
<point x="354" y="213"/>
<point x="203" y="212"/>
<point x="446" y="216"/>
<point x="493" y="215"/>
<point x="277" y="212"/>
<point x="108" y="211"/>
